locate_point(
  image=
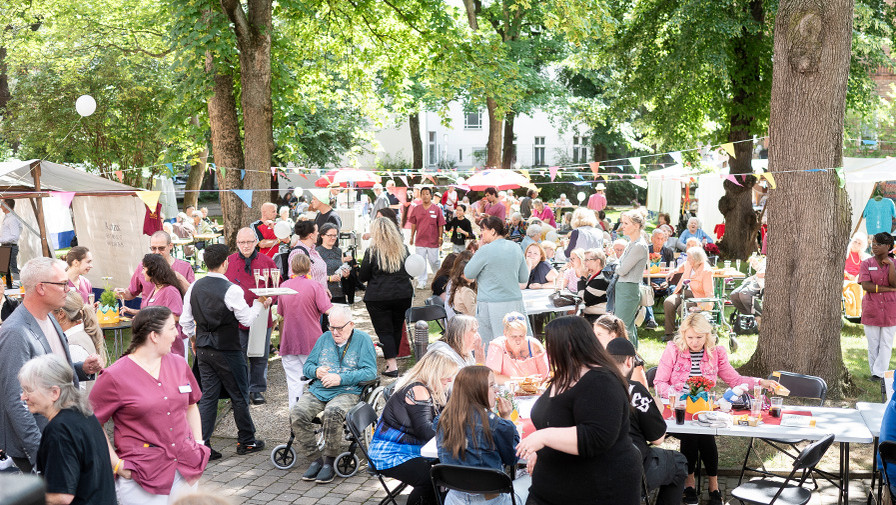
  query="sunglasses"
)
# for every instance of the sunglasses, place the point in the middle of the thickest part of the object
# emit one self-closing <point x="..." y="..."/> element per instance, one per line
<point x="515" y="318"/>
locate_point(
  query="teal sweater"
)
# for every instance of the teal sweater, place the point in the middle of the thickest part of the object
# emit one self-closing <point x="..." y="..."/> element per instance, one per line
<point x="498" y="267"/>
<point x="357" y="364"/>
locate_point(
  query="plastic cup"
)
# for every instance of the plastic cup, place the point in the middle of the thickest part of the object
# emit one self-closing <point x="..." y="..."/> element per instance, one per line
<point x="777" y="403"/>
<point x="680" y="410"/>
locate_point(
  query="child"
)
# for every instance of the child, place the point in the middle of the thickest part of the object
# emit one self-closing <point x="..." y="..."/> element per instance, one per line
<point x="460" y="228"/>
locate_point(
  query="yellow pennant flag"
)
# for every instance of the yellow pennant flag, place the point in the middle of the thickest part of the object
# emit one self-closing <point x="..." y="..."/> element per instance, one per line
<point x="525" y="173"/>
<point x="770" y="178"/>
<point x="729" y="148"/>
<point x="606" y="178"/>
<point x="150" y="198"/>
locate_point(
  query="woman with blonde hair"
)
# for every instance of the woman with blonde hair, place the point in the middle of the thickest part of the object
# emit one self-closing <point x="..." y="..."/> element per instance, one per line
<point x="693" y="352"/>
<point x="855" y="255"/>
<point x="516" y="354"/>
<point x="585" y="234"/>
<point x="389" y="290"/>
<point x="629" y="271"/>
<point x="406" y="425"/>
<point x="78" y="322"/>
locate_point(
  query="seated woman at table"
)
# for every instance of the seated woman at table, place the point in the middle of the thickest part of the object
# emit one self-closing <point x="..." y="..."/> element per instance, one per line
<point x="541" y="273"/>
<point x="569" y="272"/>
<point x="516" y="231"/>
<point x="461" y="291"/>
<point x="593" y="284"/>
<point x="80" y="261"/>
<point x="469" y="433"/>
<point x="543" y="212"/>
<point x="461" y="340"/>
<point x="406" y="425"/>
<point x="747" y="298"/>
<point x="855" y="255"/>
<point x="166" y="293"/>
<point x="693" y="230"/>
<point x="516" y="354"/>
<point x="608" y="327"/>
<point x="693" y="353"/>
<point x="696" y="282"/>
<point x="78" y="322"/>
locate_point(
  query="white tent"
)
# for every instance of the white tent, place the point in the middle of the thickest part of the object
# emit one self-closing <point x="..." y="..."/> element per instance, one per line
<point x="664" y="190"/>
<point x="108" y="217"/>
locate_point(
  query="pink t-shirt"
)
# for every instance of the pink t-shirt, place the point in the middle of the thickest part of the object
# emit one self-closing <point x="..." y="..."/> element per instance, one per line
<point x="84" y="287"/>
<point x="496" y="209"/>
<point x="301" y="315"/>
<point x="500" y="361"/>
<point x="427" y="222"/>
<point x="597" y="202"/>
<point x="878" y="309"/>
<point x="152" y="434"/>
<point x="139" y="286"/>
<point x="168" y="296"/>
<point x="546" y="215"/>
<point x="318" y="270"/>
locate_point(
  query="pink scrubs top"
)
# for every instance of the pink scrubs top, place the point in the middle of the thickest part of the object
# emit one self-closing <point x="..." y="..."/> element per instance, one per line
<point x="84" y="287"/>
<point x="168" y="296"/>
<point x="139" y="286"/>
<point x="301" y="315"/>
<point x="878" y="309"/>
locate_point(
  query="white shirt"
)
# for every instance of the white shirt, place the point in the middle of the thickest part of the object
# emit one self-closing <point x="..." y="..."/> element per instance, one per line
<point x="10" y="229"/>
<point x="233" y="300"/>
<point x="52" y="337"/>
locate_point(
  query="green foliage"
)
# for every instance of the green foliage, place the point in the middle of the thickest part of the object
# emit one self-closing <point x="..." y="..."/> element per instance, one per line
<point x="107" y="299"/>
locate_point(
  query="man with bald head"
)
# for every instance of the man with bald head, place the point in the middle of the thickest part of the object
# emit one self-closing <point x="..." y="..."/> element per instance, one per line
<point x="240" y="271"/>
<point x="268" y="243"/>
<point x="159" y="243"/>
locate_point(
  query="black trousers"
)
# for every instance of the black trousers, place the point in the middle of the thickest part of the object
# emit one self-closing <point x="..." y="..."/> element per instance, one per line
<point x="228" y="370"/>
<point x="706" y="446"/>
<point x="387" y="317"/>
<point x="666" y="470"/>
<point x="415" y="473"/>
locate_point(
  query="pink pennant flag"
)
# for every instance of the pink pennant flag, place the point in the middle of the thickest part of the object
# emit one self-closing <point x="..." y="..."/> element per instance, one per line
<point x="432" y="178"/>
<point x="553" y="171"/>
<point x="404" y="179"/>
<point x="637" y="176"/>
<point x="120" y="175"/>
<point x="595" y="167"/>
<point x="65" y="197"/>
<point x="733" y="179"/>
<point x="304" y="176"/>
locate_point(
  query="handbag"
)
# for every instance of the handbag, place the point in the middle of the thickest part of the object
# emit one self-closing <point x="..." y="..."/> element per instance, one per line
<point x="561" y="299"/>
<point x="646" y="292"/>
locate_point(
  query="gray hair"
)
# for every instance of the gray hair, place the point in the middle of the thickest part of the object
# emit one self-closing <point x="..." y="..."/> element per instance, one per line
<point x="458" y="326"/>
<point x="659" y="231"/>
<point x="694" y="219"/>
<point x="583" y="217"/>
<point x="341" y="310"/>
<point x="162" y="234"/>
<point x="38" y="270"/>
<point x="516" y="215"/>
<point x="698" y="253"/>
<point x="49" y="370"/>
<point x="533" y="231"/>
<point x="695" y="240"/>
<point x="196" y="213"/>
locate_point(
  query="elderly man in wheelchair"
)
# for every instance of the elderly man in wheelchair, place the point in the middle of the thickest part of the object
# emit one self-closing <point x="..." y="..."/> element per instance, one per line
<point x="341" y="360"/>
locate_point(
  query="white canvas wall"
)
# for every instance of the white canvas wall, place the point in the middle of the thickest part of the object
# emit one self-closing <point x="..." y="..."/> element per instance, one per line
<point x="112" y="228"/>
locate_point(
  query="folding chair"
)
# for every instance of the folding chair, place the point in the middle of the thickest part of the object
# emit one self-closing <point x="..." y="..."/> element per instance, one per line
<point x="767" y="492"/>
<point x="800" y="386"/>
<point x="651" y="375"/>
<point x="887" y="451"/>
<point x="361" y="421"/>
<point x="471" y="479"/>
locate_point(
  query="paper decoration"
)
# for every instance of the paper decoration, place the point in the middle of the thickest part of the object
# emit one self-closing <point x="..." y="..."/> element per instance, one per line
<point x="869" y="142"/>
<point x="274" y="171"/>
<point x="120" y="175"/>
<point x="553" y="172"/>
<point x="733" y="179"/>
<point x="729" y="148"/>
<point x="64" y="196"/>
<point x="304" y="176"/>
<point x="525" y="174"/>
<point x="170" y="169"/>
<point x="840" y="176"/>
<point x="213" y="166"/>
<point x="150" y="198"/>
<point x="676" y="155"/>
<point x="404" y="179"/>
<point x="636" y="164"/>
<point x="245" y="195"/>
<point x="770" y="178"/>
<point x="606" y="177"/>
<point x="595" y="167"/>
<point x="242" y="173"/>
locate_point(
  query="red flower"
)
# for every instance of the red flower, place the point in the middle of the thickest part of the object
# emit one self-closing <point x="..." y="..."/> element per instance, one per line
<point x="699" y="384"/>
<point x="712" y="249"/>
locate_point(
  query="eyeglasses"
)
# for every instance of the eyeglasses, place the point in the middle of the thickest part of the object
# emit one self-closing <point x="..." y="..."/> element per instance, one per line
<point x="339" y="328"/>
<point x="590" y="259"/>
<point x="330" y="235"/>
<point x="158" y="249"/>
<point x="63" y="284"/>
<point x="245" y="242"/>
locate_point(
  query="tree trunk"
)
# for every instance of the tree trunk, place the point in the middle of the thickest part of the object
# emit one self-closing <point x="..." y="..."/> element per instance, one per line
<point x="509" y="156"/>
<point x="197" y="174"/>
<point x="493" y="146"/>
<point x="599" y="152"/>
<point x="228" y="149"/>
<point x="809" y="213"/>
<point x="253" y="33"/>
<point x="741" y="222"/>
<point x="4" y="81"/>
<point x="416" y="141"/>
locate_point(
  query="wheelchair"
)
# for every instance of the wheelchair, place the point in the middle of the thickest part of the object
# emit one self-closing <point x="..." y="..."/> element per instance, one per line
<point x="347" y="463"/>
<point x="715" y="314"/>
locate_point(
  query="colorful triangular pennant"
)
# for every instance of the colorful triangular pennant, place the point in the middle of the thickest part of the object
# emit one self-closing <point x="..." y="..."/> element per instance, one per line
<point x="729" y="148"/>
<point x="64" y="196"/>
<point x="150" y="198"/>
<point x="553" y="171"/>
<point x="636" y="164"/>
<point x="245" y="195"/>
<point x="120" y="175"/>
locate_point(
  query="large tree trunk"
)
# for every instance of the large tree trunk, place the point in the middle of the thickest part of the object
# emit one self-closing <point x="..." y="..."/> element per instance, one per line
<point x="253" y="33"/>
<point x="4" y="80"/>
<point x="741" y="222"/>
<point x="416" y="141"/>
<point x="228" y="148"/>
<point x="197" y="174"/>
<point x="809" y="212"/>
<point x="509" y="156"/>
<point x="493" y="146"/>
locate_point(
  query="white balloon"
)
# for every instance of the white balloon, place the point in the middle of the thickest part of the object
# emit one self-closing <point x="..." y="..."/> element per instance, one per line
<point x="581" y="196"/>
<point x="85" y="105"/>
<point x="282" y="230"/>
<point x="415" y="265"/>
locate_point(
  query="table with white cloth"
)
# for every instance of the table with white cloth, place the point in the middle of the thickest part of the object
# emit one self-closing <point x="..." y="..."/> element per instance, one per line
<point x="873" y="414"/>
<point x="847" y="425"/>
<point x="537" y="301"/>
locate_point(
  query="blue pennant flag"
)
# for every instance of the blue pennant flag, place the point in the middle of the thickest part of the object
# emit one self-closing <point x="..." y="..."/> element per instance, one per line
<point x="245" y="195"/>
<point x="170" y="167"/>
<point x="243" y="174"/>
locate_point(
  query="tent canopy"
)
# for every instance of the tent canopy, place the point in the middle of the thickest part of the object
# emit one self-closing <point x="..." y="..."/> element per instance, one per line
<point x="54" y="177"/>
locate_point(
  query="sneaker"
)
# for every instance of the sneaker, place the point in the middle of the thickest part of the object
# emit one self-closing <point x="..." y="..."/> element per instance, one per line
<point x="690" y="496"/>
<point x="243" y="449"/>
<point x="326" y="475"/>
<point x="715" y="498"/>
<point x="214" y="455"/>
<point x="313" y="470"/>
<point x="650" y="325"/>
<point x="256" y="398"/>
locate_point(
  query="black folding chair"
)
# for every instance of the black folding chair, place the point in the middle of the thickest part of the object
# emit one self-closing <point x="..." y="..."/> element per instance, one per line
<point x="651" y="375"/>
<point x="887" y="451"/>
<point x="426" y="313"/>
<point x="800" y="386"/>
<point x="471" y="479"/>
<point x="767" y="492"/>
<point x="361" y="421"/>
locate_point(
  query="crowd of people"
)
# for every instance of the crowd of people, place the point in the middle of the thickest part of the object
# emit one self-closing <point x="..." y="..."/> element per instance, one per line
<point x="164" y="412"/>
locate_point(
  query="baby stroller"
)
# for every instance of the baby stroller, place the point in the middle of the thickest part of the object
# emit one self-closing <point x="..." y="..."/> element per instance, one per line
<point x="347" y="463"/>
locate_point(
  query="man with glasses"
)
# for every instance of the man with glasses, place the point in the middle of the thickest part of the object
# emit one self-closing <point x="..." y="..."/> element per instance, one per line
<point x="159" y="243"/>
<point x="29" y="332"/>
<point x="341" y="359"/>
<point x="241" y="269"/>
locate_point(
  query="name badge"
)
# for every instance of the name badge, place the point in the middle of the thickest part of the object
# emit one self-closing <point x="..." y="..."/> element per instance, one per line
<point x="185" y="389"/>
<point x="872" y="268"/>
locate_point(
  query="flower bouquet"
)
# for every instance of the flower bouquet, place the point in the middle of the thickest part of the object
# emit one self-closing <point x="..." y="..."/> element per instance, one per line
<point x="107" y="313"/>
<point x="697" y="395"/>
<point x="655" y="259"/>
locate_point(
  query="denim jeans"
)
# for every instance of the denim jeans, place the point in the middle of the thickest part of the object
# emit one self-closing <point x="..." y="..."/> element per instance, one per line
<point x="258" y="367"/>
<point x="461" y="498"/>
<point x="225" y="369"/>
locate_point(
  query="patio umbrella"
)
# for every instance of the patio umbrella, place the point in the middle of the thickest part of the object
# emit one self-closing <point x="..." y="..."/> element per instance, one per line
<point x="499" y="179"/>
<point x="346" y="177"/>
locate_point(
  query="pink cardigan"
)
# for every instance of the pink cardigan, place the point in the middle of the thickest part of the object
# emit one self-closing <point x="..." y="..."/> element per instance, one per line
<point x="675" y="367"/>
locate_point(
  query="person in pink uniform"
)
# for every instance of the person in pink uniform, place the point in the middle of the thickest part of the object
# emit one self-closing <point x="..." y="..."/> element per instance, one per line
<point x="79" y="261"/>
<point x="301" y="323"/>
<point x="240" y="271"/>
<point x="159" y="243"/>
<point x="307" y="233"/>
<point x="151" y="397"/>
<point x="543" y="212"/>
<point x="598" y="201"/>
<point x="493" y="206"/>
<point x="427" y="231"/>
<point x="166" y="292"/>
<point x="877" y="276"/>
<point x="516" y="354"/>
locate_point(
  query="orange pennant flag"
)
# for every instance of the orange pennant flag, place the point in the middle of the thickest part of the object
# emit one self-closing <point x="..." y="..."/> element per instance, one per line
<point x="120" y="175"/>
<point x="595" y="167"/>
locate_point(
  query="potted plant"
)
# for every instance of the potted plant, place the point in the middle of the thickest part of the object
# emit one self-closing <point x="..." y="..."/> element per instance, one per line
<point x="107" y="312"/>
<point x="698" y="396"/>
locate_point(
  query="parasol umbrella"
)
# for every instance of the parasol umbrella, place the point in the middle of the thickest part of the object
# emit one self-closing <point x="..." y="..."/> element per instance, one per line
<point x="499" y="179"/>
<point x="346" y="177"/>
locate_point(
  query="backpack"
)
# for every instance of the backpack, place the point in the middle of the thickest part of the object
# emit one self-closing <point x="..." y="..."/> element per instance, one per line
<point x="281" y="259"/>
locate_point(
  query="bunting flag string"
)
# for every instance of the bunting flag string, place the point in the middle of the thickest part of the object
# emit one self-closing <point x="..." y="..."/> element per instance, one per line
<point x="245" y="195"/>
<point x="636" y="164"/>
<point x="553" y="172"/>
<point x="65" y="197"/>
<point x="120" y="175"/>
<point x="150" y="198"/>
<point x="729" y="148"/>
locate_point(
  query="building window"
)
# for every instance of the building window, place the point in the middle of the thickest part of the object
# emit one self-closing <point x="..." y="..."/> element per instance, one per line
<point x="460" y="155"/>
<point x="433" y="152"/>
<point x="539" y="152"/>
<point x="473" y="120"/>
<point x="580" y="149"/>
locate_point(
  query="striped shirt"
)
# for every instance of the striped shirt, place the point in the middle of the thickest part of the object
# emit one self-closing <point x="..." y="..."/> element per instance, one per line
<point x="696" y="358"/>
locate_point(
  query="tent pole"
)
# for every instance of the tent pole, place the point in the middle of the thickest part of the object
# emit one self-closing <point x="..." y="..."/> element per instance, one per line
<point x="862" y="216"/>
<point x="41" y="225"/>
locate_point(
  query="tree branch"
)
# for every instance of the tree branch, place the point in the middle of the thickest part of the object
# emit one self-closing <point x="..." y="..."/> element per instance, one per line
<point x="403" y="16"/>
<point x="237" y="16"/>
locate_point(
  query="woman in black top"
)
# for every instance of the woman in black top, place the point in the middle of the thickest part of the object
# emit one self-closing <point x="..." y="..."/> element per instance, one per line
<point x="389" y="290"/>
<point x="73" y="455"/>
<point x="332" y="256"/>
<point x="581" y="451"/>
<point x="460" y="228"/>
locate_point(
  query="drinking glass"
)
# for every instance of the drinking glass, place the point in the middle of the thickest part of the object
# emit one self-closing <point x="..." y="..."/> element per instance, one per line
<point x="727" y="264"/>
<point x="662" y="265"/>
<point x="712" y="400"/>
<point x="257" y="272"/>
<point x="275" y="277"/>
<point x="265" y="274"/>
<point x="777" y="403"/>
<point x="680" y="410"/>
<point x="737" y="262"/>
